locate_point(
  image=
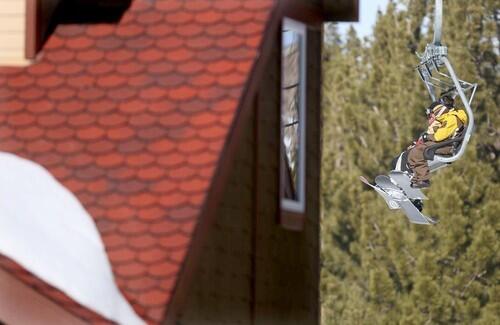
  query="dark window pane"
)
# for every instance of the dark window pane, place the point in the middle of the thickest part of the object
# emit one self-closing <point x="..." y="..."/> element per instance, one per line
<point x="290" y="110"/>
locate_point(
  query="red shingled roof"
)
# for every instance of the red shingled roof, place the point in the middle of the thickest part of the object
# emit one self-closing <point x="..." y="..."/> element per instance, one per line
<point x="132" y="118"/>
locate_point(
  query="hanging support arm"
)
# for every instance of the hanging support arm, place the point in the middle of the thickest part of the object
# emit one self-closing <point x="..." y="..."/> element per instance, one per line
<point x="438" y="22"/>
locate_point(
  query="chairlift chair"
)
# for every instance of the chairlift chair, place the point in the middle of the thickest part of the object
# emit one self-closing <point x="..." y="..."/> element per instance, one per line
<point x="440" y="78"/>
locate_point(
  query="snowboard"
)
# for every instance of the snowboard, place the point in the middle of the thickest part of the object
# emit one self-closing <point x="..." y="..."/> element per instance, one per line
<point x="396" y="198"/>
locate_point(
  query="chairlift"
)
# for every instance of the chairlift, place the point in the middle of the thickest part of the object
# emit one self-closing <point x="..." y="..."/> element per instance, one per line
<point x="440" y="78"/>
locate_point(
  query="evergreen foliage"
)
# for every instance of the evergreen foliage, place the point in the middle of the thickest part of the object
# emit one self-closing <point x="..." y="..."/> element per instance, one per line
<point x="376" y="267"/>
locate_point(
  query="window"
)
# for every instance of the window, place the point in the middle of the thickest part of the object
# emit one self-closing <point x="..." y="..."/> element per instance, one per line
<point x="293" y="116"/>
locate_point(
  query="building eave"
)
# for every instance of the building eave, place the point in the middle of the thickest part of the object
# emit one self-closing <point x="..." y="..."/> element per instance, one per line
<point x="341" y="10"/>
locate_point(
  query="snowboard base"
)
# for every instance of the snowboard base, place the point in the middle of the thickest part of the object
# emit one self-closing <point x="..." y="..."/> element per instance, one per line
<point x="396" y="198"/>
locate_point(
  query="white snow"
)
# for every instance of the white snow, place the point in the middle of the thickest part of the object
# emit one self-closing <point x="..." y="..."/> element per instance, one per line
<point x="44" y="228"/>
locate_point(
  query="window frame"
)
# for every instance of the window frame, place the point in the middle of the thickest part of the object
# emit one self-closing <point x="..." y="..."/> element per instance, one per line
<point x="290" y="206"/>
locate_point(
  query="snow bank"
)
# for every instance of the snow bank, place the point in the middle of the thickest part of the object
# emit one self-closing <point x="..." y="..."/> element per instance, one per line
<point x="44" y="228"/>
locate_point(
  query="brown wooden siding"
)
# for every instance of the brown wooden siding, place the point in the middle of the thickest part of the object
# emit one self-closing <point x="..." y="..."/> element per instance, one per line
<point x="252" y="270"/>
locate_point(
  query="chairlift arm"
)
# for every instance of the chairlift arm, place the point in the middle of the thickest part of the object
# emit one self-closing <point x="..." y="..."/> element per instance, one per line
<point x="438" y="22"/>
<point x="435" y="57"/>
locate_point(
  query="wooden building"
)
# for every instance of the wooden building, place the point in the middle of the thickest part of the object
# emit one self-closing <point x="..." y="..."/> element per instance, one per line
<point x="189" y="131"/>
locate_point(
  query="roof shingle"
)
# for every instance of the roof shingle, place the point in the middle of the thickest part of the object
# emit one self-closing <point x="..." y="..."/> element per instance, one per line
<point x="132" y="117"/>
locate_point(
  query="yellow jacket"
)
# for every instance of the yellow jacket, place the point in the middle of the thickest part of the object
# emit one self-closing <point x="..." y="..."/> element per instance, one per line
<point x="449" y="123"/>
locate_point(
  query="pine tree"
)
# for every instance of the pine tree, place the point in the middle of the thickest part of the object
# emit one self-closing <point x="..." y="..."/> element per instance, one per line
<point x="376" y="267"/>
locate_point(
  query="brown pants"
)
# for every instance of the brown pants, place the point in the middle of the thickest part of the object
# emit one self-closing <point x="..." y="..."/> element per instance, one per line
<point x="417" y="162"/>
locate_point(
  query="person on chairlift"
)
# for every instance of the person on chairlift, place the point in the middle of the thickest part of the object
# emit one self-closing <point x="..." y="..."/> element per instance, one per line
<point x="445" y="122"/>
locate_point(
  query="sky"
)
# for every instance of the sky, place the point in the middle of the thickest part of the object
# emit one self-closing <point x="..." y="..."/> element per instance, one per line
<point x="368" y="14"/>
